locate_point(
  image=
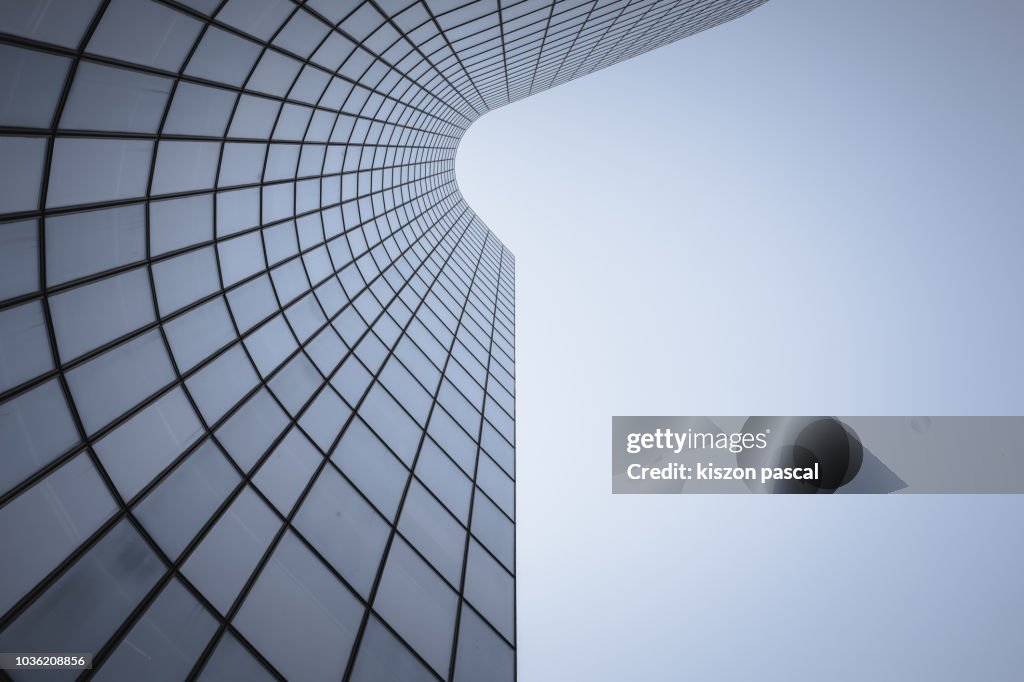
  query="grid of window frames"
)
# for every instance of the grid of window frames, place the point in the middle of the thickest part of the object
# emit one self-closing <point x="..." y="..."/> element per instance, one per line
<point x="256" y="352"/>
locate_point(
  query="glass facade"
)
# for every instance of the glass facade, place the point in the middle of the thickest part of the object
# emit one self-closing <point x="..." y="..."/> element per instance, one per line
<point x="256" y="353"/>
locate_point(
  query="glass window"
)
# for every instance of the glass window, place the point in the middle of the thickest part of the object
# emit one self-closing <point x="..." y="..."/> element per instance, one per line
<point x="199" y="110"/>
<point x="110" y="98"/>
<point x="223" y="57"/>
<point x="367" y="462"/>
<point x="254" y="117"/>
<point x="224" y="560"/>
<point x="165" y="642"/>
<point x="391" y="424"/>
<point x="237" y="210"/>
<point x="196" y="335"/>
<point x="19" y="258"/>
<point x="295" y="383"/>
<point x="289" y="280"/>
<point x="35" y="427"/>
<point x="300" y="616"/>
<point x="281" y="161"/>
<point x="260" y="18"/>
<point x="494" y="530"/>
<point x="242" y="163"/>
<point x="459" y="407"/>
<point x="324" y="418"/>
<point x="270" y="344"/>
<point x="351" y="380"/>
<point x="302" y="34"/>
<point x="433" y="531"/>
<point x="184" y="501"/>
<point x="184" y="279"/>
<point x="81" y="244"/>
<point x="86" y="170"/>
<point x="147" y="443"/>
<point x="498" y="486"/>
<point x="285" y="474"/>
<point x="278" y="202"/>
<point x="491" y="590"/>
<point x="183" y="166"/>
<point x="61" y="22"/>
<point x="88" y="316"/>
<point x="326" y="350"/>
<point x="383" y="658"/>
<point x="405" y="388"/>
<point x="91" y="599"/>
<point x="241" y="257"/>
<point x="344" y="529"/>
<point x="65" y="508"/>
<point x="144" y="32"/>
<point x="445" y="479"/>
<point x="499" y="449"/>
<point x="418" y="604"/>
<point x="21" y="170"/>
<point x="218" y="386"/>
<point x="252" y="302"/>
<point x="453" y="440"/>
<point x="293" y="122"/>
<point x="231" y="662"/>
<point x="482" y="654"/>
<point x="178" y="223"/>
<point x="120" y="378"/>
<point x="248" y="433"/>
<point x="24" y="346"/>
<point x="274" y="74"/>
<point x="30" y="84"/>
<point x="280" y="241"/>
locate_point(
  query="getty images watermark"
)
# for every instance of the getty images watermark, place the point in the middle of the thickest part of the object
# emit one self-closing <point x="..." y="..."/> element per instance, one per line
<point x="817" y="454"/>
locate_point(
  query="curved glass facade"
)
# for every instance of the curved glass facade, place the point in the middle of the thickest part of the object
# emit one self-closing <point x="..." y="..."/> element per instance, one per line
<point x="256" y="353"/>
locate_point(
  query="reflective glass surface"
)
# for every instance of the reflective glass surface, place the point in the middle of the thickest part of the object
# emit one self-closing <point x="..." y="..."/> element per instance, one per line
<point x="257" y="395"/>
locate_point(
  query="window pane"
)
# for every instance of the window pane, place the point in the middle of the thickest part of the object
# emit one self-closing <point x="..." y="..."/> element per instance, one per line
<point x="251" y="430"/>
<point x="30" y="83"/>
<point x="490" y="589"/>
<point x="35" y="427"/>
<point x="65" y="508"/>
<point x="418" y="605"/>
<point x="111" y="383"/>
<point x="231" y="662"/>
<point x="177" y="223"/>
<point x="367" y="462"/>
<point x="19" y="258"/>
<point x="287" y="471"/>
<point x="24" y="347"/>
<point x="344" y="529"/>
<point x="88" y="316"/>
<point x="166" y="641"/>
<point x="144" y="32"/>
<point x="147" y="443"/>
<point x="226" y="557"/>
<point x="300" y="616"/>
<point x="383" y="658"/>
<point x="184" y="501"/>
<point x="109" y="98"/>
<point x="88" y="170"/>
<point x="81" y="244"/>
<point x="21" y="170"/>
<point x="82" y="610"/>
<point x="433" y="531"/>
<point x="61" y="22"/>
<point x="482" y="654"/>
<point x="218" y="386"/>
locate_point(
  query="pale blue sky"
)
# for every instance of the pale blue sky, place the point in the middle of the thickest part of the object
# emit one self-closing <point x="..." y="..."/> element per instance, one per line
<point x="817" y="208"/>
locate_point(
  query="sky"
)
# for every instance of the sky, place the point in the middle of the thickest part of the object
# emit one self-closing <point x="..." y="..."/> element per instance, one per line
<point x="817" y="208"/>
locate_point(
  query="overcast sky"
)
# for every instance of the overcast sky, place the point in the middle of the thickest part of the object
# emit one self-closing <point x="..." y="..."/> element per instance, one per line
<point x="815" y="209"/>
